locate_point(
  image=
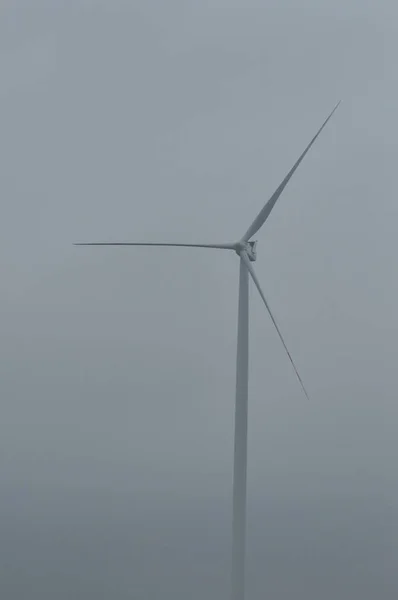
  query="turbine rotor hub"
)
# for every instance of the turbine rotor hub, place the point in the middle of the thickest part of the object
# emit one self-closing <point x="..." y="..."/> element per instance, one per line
<point x="250" y="248"/>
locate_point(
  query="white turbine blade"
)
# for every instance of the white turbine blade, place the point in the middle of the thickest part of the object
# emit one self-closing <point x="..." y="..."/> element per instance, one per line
<point x="257" y="283"/>
<point x="219" y="246"/>
<point x="264" y="213"/>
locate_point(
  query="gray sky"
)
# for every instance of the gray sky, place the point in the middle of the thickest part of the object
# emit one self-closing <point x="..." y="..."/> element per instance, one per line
<point x="176" y="121"/>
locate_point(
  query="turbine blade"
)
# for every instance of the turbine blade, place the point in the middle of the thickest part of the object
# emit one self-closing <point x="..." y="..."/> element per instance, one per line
<point x="265" y="212"/>
<point x="219" y="246"/>
<point x="257" y="283"/>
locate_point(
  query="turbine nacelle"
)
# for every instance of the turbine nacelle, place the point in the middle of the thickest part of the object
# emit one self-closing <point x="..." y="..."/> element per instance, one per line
<point x="249" y="248"/>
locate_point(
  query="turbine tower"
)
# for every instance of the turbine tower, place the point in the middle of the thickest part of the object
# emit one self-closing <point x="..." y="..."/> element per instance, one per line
<point x="245" y="248"/>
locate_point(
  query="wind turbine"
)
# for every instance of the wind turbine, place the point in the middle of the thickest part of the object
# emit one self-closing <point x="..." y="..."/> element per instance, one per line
<point x="245" y="248"/>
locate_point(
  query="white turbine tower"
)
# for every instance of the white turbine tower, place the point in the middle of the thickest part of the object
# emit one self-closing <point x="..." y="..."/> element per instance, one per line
<point x="246" y="250"/>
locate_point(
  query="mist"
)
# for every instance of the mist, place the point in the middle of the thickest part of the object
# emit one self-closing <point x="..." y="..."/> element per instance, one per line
<point x="176" y="121"/>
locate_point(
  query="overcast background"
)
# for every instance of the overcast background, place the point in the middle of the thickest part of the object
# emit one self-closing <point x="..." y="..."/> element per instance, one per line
<point x="176" y="121"/>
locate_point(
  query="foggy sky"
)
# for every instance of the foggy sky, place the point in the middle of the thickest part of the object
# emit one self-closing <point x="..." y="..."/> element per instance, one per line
<point x="176" y="121"/>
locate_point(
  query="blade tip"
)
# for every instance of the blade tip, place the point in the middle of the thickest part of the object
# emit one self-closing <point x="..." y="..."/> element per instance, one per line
<point x="337" y="105"/>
